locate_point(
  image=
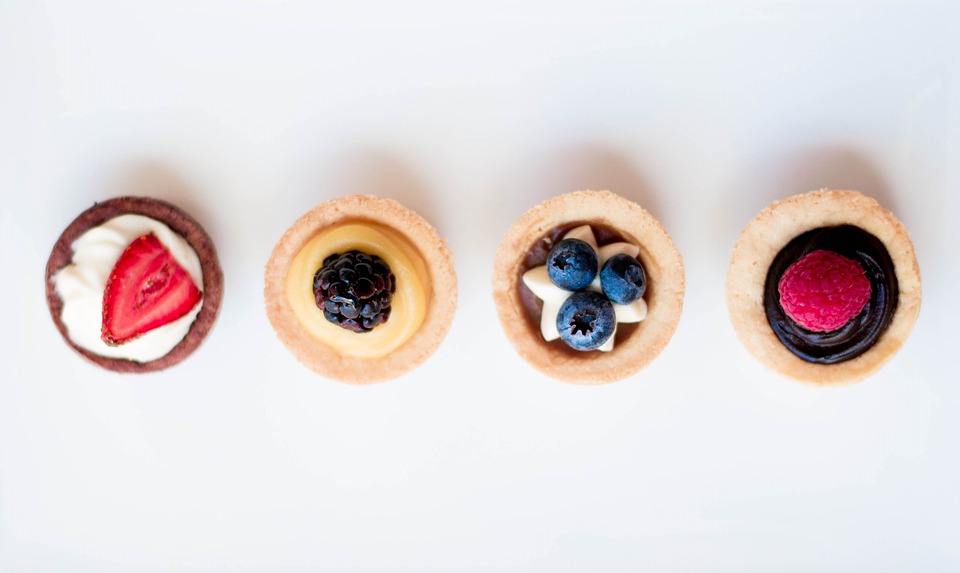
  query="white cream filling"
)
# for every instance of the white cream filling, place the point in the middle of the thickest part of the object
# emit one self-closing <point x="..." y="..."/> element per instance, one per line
<point x="553" y="297"/>
<point x="81" y="285"/>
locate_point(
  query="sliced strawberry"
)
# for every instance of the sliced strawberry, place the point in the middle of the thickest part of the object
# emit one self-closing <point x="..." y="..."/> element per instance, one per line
<point x="146" y="289"/>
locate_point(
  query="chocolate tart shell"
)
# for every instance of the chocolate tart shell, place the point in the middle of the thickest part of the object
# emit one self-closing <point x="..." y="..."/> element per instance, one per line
<point x="182" y="224"/>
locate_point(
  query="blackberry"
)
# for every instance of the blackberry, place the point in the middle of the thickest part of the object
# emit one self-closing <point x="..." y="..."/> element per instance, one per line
<point x="354" y="290"/>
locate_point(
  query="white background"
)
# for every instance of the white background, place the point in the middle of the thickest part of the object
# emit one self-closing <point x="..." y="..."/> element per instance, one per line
<point x="247" y="114"/>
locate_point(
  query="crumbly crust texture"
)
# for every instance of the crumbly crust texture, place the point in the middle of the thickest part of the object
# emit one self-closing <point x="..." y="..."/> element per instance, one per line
<point x="441" y="304"/>
<point x="769" y="232"/>
<point x="661" y="261"/>
<point x="182" y="224"/>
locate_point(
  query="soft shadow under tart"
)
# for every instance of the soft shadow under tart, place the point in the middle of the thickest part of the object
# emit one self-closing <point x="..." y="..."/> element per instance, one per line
<point x="613" y="218"/>
<point x="179" y="222"/>
<point x="417" y="233"/>
<point x="769" y="232"/>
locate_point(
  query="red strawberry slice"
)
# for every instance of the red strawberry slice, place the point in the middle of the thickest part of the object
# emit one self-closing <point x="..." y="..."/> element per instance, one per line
<point x="146" y="289"/>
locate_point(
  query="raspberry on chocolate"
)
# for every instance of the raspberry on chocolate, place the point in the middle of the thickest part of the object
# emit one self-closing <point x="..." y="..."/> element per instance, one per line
<point x="823" y="291"/>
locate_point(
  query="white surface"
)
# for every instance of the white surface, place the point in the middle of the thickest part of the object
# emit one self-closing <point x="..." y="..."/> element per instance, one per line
<point x="249" y="113"/>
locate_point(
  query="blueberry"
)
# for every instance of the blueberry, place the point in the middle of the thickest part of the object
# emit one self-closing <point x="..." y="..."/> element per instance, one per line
<point x="622" y="279"/>
<point x="586" y="320"/>
<point x="572" y="264"/>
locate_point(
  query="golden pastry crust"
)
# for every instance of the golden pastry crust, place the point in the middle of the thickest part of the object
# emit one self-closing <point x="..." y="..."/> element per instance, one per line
<point x="179" y="222"/>
<point x="635" y="348"/>
<point x="441" y="302"/>
<point x="769" y="232"/>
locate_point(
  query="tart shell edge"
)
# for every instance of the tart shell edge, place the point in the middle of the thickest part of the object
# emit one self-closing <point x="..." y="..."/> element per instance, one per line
<point x="764" y="237"/>
<point x="323" y="359"/>
<point x="182" y="224"/>
<point x="659" y="256"/>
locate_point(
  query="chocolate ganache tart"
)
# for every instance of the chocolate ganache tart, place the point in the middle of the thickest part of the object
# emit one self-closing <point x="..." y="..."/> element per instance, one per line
<point x="360" y="289"/>
<point x="824" y="287"/>
<point x="588" y="287"/>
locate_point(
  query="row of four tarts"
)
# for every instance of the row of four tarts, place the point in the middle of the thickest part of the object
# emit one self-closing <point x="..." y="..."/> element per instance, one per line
<point x="822" y="287"/>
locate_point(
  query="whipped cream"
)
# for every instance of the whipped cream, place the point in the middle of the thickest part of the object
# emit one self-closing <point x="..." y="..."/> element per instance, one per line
<point x="81" y="285"/>
<point x="538" y="281"/>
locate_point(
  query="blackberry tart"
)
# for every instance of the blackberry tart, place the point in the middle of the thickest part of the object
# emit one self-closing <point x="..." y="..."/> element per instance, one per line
<point x="588" y="287"/>
<point x="360" y="289"/>
<point x="824" y="287"/>
<point x="134" y="284"/>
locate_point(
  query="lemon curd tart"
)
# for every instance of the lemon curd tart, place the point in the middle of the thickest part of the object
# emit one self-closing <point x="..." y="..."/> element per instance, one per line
<point x="360" y="289"/>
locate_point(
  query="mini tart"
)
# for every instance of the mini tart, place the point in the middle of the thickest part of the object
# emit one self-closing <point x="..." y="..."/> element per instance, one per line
<point x="180" y="223"/>
<point x="763" y="239"/>
<point x="415" y="253"/>
<point x="636" y="345"/>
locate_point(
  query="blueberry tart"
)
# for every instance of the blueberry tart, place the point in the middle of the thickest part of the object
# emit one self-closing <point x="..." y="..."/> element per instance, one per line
<point x="134" y="284"/>
<point x="588" y="287"/>
<point x="824" y="287"/>
<point x="360" y="289"/>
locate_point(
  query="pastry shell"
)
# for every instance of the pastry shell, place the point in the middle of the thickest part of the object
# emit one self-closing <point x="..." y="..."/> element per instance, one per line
<point x="182" y="224"/>
<point x="635" y="348"/>
<point x="769" y="232"/>
<point x="441" y="304"/>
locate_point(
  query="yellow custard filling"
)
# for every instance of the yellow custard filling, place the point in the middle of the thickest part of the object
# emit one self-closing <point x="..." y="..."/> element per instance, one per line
<point x="409" y="304"/>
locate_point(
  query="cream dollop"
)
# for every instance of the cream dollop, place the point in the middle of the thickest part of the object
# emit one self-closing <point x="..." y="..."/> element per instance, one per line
<point x="81" y="285"/>
<point x="538" y="281"/>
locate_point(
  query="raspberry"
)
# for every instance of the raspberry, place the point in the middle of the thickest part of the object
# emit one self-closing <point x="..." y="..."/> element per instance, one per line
<point x="823" y="291"/>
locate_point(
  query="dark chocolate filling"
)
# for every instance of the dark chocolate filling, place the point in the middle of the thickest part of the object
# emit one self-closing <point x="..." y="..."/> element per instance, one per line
<point x="862" y="331"/>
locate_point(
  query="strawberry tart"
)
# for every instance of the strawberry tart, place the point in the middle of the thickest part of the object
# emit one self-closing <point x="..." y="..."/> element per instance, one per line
<point x="134" y="284"/>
